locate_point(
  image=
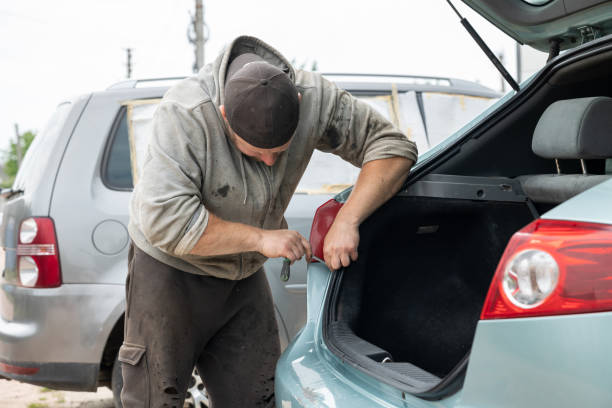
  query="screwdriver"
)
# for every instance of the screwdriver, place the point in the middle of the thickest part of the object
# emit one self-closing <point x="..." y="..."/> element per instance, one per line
<point x="286" y="270"/>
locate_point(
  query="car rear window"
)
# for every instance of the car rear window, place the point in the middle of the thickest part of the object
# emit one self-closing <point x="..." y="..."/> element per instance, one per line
<point x="117" y="171"/>
<point x="34" y="166"/>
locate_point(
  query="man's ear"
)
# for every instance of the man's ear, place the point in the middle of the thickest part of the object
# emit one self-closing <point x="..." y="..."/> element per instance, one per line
<point x="222" y="109"/>
<point x="299" y="97"/>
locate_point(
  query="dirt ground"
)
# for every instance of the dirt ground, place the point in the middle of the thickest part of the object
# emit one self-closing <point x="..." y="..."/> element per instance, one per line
<point x="14" y="394"/>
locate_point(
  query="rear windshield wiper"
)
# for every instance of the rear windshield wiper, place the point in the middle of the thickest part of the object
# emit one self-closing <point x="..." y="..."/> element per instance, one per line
<point x="7" y="193"/>
<point x="486" y="50"/>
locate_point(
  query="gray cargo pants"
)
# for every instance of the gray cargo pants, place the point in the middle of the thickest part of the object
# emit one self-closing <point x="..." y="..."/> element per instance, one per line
<point x="176" y="320"/>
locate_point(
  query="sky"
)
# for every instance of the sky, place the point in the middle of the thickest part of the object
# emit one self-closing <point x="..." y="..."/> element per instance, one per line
<point x="52" y="50"/>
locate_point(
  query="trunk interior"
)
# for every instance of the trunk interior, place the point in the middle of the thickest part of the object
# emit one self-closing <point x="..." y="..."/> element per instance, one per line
<point x="447" y="251"/>
<point x="414" y="296"/>
<point x="406" y="311"/>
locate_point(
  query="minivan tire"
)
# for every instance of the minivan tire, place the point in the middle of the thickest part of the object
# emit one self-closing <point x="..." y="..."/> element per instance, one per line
<point x="117" y="382"/>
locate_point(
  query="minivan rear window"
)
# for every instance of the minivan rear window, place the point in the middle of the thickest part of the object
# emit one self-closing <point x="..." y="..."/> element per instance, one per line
<point x="34" y="166"/>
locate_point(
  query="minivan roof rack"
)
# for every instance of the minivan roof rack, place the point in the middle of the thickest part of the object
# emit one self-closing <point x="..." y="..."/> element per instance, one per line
<point x="404" y="82"/>
<point x="146" y="83"/>
<point x="353" y="74"/>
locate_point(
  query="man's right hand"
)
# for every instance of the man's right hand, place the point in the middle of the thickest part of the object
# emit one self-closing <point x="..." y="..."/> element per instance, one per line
<point x="284" y="243"/>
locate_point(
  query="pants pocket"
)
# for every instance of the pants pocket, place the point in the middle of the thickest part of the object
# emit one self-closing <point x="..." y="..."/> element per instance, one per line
<point x="135" y="371"/>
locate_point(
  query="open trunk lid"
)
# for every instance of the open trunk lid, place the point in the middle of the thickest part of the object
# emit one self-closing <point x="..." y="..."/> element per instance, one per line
<point x="545" y="23"/>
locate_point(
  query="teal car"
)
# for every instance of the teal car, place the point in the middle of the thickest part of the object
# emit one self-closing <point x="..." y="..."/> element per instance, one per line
<point x="487" y="280"/>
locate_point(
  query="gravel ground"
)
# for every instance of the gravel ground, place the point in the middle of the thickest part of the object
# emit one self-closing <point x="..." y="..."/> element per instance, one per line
<point x="14" y="394"/>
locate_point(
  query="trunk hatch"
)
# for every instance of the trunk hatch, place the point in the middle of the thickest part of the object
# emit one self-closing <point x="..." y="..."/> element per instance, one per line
<point x="538" y="23"/>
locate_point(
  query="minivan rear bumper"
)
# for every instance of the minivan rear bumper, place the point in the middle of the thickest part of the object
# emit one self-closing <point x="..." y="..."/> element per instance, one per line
<point x="64" y="376"/>
<point x="56" y="337"/>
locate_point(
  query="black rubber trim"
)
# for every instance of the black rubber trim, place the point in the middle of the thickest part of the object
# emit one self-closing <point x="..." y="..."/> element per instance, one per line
<point x="474" y="188"/>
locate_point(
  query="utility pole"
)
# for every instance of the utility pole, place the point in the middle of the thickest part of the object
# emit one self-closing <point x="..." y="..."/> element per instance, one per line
<point x="199" y="31"/>
<point x="128" y="64"/>
<point x="196" y="35"/>
<point x="18" y="145"/>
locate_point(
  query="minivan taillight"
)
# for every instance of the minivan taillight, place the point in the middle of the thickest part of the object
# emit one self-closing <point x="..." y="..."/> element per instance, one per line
<point x="321" y="223"/>
<point x="37" y="254"/>
<point x="553" y="267"/>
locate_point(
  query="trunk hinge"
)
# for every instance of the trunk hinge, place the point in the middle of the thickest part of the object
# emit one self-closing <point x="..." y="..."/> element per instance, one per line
<point x="588" y="33"/>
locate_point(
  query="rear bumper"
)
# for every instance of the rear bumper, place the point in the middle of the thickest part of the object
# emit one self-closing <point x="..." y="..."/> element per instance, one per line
<point x="304" y="380"/>
<point x="55" y="337"/>
<point x="560" y="361"/>
<point x="64" y="376"/>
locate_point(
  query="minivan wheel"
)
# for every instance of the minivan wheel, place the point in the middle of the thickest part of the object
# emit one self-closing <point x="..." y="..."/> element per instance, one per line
<point x="117" y="383"/>
<point x="197" y="397"/>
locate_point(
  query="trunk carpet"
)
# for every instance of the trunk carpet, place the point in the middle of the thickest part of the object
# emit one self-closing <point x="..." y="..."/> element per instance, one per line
<point x="427" y="263"/>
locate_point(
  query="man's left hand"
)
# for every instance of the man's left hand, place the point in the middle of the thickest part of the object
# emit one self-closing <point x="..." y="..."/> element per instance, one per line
<point x="340" y="246"/>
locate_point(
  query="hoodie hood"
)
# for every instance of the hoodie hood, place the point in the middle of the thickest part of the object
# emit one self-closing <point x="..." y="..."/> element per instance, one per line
<point x="215" y="73"/>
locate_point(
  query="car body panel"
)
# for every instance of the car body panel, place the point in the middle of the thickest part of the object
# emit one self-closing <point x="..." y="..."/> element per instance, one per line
<point x="537" y="25"/>
<point x="37" y="193"/>
<point x="79" y="186"/>
<point x="545" y="362"/>
<point x="594" y="205"/>
<point x="66" y="312"/>
<point x="78" y="316"/>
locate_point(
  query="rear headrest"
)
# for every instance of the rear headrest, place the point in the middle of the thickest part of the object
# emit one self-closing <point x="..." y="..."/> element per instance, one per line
<point x="575" y="129"/>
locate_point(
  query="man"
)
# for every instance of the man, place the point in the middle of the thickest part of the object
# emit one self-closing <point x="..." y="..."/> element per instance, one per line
<point x="227" y="151"/>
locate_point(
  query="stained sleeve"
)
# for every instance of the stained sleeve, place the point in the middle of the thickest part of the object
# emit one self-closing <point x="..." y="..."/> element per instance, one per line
<point x="169" y="190"/>
<point x="356" y="132"/>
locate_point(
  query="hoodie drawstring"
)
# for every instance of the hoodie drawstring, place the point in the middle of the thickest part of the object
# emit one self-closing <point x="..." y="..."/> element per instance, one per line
<point x="244" y="186"/>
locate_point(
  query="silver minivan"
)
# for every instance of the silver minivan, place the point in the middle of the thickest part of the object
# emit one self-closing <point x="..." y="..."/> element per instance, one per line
<point x="63" y="223"/>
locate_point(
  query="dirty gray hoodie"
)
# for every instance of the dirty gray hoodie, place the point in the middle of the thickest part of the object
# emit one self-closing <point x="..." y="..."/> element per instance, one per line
<point x="191" y="167"/>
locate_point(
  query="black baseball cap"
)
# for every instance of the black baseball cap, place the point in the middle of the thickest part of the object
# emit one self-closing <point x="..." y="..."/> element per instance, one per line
<point x="261" y="102"/>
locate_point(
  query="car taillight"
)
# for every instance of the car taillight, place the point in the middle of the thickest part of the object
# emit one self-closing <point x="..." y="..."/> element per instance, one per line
<point x="37" y="254"/>
<point x="323" y="219"/>
<point x="553" y="267"/>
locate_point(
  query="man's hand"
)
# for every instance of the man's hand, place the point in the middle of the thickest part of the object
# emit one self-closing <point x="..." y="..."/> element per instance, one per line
<point x="340" y="246"/>
<point x="378" y="181"/>
<point x="284" y="243"/>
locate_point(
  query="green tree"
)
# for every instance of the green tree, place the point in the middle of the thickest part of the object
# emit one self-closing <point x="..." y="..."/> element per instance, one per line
<point x="9" y="157"/>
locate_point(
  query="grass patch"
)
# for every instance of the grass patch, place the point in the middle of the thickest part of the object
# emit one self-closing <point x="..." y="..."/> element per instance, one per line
<point x="37" y="405"/>
<point x="45" y="389"/>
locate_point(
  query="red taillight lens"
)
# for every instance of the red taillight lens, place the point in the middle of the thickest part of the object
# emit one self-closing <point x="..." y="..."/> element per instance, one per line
<point x="323" y="219"/>
<point x="37" y="254"/>
<point x="553" y="267"/>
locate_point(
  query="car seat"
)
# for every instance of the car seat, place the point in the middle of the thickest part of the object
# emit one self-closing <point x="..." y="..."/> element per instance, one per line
<point x="570" y="129"/>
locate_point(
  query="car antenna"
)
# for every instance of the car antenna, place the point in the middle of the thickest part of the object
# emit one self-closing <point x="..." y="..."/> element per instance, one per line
<point x="486" y="50"/>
